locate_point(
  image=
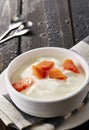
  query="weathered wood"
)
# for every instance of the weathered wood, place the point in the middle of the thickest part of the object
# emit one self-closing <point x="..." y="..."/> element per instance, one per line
<point x="80" y="16"/>
<point x="9" y="50"/>
<point x="59" y="23"/>
<point x="33" y="10"/>
<point x="52" y="24"/>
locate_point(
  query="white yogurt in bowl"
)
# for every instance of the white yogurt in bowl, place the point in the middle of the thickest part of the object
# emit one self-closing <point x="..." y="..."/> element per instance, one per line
<point x="48" y="88"/>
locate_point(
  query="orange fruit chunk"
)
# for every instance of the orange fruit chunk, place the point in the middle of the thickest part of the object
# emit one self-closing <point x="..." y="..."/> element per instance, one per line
<point x="22" y="84"/>
<point x="69" y="65"/>
<point x="56" y="74"/>
<point x="39" y="72"/>
<point x="46" y="64"/>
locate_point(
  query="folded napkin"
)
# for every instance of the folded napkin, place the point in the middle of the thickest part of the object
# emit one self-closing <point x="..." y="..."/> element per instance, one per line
<point x="15" y="118"/>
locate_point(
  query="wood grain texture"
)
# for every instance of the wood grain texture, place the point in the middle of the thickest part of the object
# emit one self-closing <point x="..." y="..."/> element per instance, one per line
<point x="80" y="16"/>
<point x="52" y="24"/>
<point x="33" y="10"/>
<point x="9" y="50"/>
<point x="59" y="23"/>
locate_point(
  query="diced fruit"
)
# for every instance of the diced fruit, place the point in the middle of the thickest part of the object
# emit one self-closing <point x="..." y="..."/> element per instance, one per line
<point x="39" y="72"/>
<point x="46" y="64"/>
<point x="69" y="65"/>
<point x="56" y="74"/>
<point x="23" y="84"/>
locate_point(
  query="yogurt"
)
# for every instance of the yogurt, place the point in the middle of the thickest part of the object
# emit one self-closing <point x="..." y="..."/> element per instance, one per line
<point x="48" y="88"/>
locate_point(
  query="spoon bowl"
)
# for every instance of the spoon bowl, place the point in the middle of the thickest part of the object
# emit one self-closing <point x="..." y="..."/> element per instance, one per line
<point x="23" y="28"/>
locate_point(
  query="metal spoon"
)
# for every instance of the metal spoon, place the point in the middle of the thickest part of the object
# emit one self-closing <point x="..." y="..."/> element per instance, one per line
<point x="23" y="29"/>
<point x="15" y="22"/>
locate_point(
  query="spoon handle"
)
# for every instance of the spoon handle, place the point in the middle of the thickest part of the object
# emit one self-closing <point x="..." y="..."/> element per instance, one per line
<point x="4" y="34"/>
<point x="6" y="39"/>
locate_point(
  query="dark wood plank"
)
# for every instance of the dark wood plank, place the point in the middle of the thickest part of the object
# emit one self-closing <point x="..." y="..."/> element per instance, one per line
<point x="9" y="50"/>
<point x="59" y="23"/>
<point x="33" y="10"/>
<point x="64" y="21"/>
<point x="52" y="24"/>
<point x="80" y="16"/>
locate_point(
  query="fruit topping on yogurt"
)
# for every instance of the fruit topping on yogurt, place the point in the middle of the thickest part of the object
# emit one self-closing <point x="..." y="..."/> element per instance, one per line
<point x="69" y="65"/>
<point x="23" y="84"/>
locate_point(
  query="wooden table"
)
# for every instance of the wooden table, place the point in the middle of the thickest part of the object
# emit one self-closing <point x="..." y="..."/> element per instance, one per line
<point x="60" y="23"/>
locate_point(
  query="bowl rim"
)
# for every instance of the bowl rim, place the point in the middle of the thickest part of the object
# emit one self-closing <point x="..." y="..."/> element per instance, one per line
<point x="51" y="100"/>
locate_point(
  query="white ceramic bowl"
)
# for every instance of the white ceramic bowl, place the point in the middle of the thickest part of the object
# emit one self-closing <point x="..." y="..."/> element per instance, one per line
<point x="46" y="108"/>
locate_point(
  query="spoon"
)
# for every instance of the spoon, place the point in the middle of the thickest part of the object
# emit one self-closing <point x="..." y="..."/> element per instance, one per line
<point x="22" y="29"/>
<point x="16" y="21"/>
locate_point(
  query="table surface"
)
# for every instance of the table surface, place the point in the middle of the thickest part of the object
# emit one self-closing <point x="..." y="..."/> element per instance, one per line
<point x="56" y="23"/>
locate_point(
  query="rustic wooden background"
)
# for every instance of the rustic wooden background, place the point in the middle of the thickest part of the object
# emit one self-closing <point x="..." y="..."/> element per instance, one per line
<point x="60" y="23"/>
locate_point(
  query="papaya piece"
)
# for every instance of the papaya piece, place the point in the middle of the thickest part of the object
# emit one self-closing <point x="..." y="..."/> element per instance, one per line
<point x="56" y="74"/>
<point x="22" y="84"/>
<point x="68" y="64"/>
<point x="46" y="64"/>
<point x="39" y="72"/>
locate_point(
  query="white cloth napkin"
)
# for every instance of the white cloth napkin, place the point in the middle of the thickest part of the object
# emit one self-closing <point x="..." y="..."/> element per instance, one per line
<point x="82" y="48"/>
